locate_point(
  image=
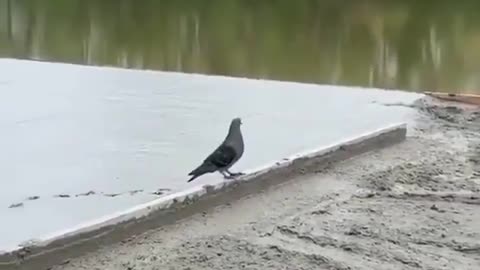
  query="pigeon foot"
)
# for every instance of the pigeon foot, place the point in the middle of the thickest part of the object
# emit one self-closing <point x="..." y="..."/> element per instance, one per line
<point x="233" y="175"/>
<point x="226" y="175"/>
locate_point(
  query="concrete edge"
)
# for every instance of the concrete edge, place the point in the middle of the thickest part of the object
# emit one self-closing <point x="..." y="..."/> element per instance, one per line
<point x="54" y="249"/>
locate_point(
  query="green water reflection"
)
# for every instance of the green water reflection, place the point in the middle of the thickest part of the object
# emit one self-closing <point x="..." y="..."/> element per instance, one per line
<point x="407" y="44"/>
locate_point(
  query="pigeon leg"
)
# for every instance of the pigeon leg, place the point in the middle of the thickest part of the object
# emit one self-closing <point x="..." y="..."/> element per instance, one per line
<point x="225" y="175"/>
<point x="235" y="174"/>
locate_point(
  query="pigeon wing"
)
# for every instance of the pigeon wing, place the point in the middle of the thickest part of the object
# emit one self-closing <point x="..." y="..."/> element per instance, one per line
<point x="223" y="156"/>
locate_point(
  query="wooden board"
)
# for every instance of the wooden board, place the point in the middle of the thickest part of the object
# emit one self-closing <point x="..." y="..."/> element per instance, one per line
<point x="465" y="98"/>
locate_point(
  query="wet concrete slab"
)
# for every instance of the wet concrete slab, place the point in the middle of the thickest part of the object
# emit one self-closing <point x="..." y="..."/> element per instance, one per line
<point x="79" y="143"/>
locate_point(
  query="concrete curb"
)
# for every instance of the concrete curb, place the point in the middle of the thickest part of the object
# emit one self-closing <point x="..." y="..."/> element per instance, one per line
<point x="54" y="249"/>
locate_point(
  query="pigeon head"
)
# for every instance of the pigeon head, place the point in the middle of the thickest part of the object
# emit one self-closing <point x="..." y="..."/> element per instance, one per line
<point x="237" y="122"/>
<point x="234" y="127"/>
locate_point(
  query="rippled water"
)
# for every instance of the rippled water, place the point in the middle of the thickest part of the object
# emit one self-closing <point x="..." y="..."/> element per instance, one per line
<point x="403" y="44"/>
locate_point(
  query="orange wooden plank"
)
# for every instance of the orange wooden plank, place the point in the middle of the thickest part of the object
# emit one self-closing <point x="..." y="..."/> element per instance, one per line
<point x="465" y="98"/>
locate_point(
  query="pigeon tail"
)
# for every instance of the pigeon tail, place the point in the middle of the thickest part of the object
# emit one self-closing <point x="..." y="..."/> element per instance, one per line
<point x="192" y="178"/>
<point x="201" y="170"/>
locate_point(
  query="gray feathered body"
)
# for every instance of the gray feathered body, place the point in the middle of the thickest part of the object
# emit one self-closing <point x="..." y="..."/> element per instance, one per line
<point x="226" y="155"/>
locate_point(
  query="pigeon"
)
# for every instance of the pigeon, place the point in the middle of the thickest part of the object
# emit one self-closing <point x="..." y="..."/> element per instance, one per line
<point x="227" y="154"/>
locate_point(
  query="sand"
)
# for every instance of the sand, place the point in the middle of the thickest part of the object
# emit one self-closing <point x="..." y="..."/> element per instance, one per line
<point x="415" y="205"/>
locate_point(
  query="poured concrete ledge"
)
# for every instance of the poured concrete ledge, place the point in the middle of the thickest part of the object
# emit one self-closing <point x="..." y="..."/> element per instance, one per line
<point x="54" y="249"/>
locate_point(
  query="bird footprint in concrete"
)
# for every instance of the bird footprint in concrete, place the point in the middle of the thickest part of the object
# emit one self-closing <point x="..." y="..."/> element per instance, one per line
<point x="16" y="205"/>
<point x="112" y="194"/>
<point x="160" y="191"/>
<point x="133" y="192"/>
<point x="89" y="193"/>
<point x="62" y="196"/>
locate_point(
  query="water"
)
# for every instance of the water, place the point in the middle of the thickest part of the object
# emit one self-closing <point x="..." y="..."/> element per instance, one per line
<point x="402" y="44"/>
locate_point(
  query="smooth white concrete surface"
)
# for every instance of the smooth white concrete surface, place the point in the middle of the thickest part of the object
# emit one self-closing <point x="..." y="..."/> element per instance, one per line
<point x="68" y="129"/>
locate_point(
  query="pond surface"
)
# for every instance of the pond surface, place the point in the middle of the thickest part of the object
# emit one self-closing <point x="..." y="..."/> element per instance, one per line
<point x="403" y="44"/>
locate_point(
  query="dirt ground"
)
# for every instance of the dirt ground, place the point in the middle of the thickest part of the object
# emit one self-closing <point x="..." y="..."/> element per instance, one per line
<point x="415" y="205"/>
